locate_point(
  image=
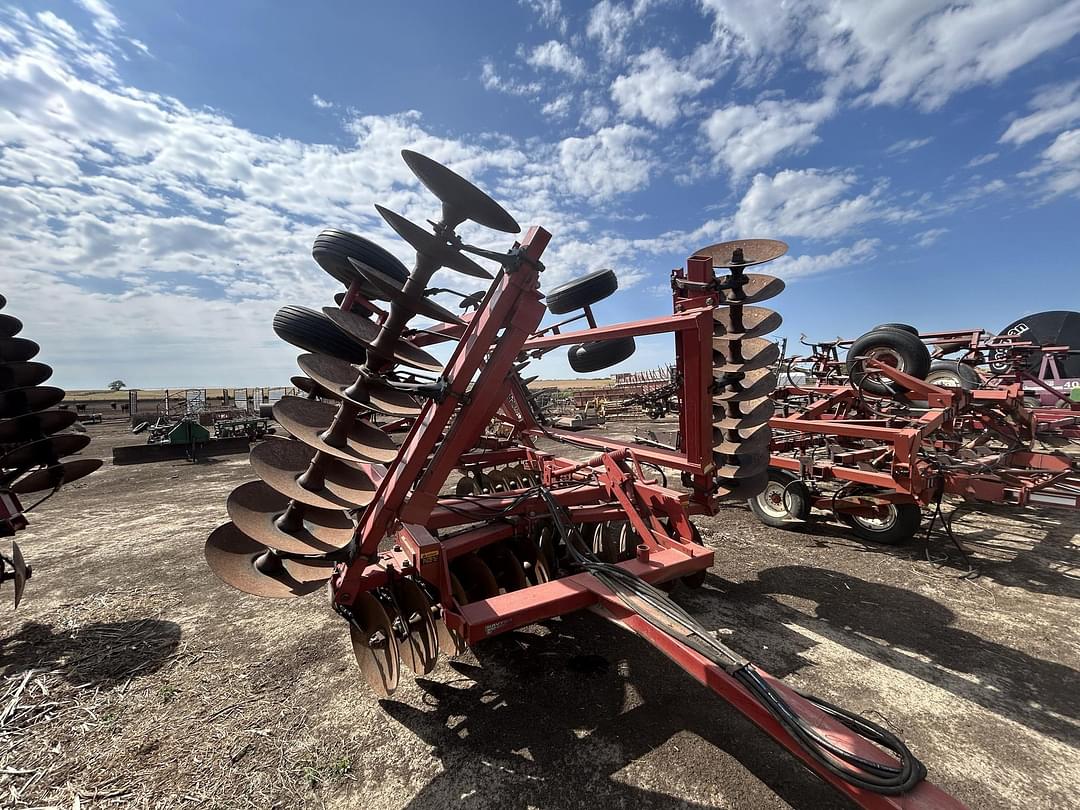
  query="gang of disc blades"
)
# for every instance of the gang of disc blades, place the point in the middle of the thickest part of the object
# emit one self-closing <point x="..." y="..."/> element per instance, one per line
<point x="14" y="350"/>
<point x="733" y="415"/>
<point x="231" y="555"/>
<point x="374" y="644"/>
<point x="255" y="508"/>
<point x="23" y="375"/>
<point x="756" y="353"/>
<point x="419" y="649"/>
<point x="752" y="385"/>
<point x="9" y="326"/>
<point x="44" y="451"/>
<point x="56" y="475"/>
<point x="392" y="290"/>
<point x="432" y="247"/>
<point x="747" y="322"/>
<point x="461" y="199"/>
<point x="337" y="377"/>
<point x="309" y="419"/>
<point x="18" y="401"/>
<point x="366" y="332"/>
<point x="743" y="252"/>
<point x="31" y="426"/>
<point x="280" y="462"/>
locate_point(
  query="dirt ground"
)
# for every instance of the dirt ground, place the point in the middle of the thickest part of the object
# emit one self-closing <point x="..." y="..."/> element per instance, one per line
<point x="131" y="677"/>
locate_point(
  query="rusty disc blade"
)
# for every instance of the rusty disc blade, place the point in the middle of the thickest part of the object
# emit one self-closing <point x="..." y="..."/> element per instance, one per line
<point x="308" y="420"/>
<point x="17" y="401"/>
<point x="751" y="289"/>
<point x="734" y="415"/>
<point x="343" y="381"/>
<point x="310" y="387"/>
<point x="536" y="568"/>
<point x="14" y="350"/>
<point x="431" y="246"/>
<point x="466" y="485"/>
<point x="35" y="425"/>
<point x="740" y="465"/>
<point x="374" y="644"/>
<point x="505" y="567"/>
<point x="9" y="326"/>
<point x="44" y="451"/>
<point x="738" y="323"/>
<point x="366" y="332"/>
<point x="475" y="577"/>
<point x="752" y="385"/>
<point x="232" y="556"/>
<point x="743" y="252"/>
<point x="742" y="488"/>
<point x="281" y="462"/>
<point x="450" y="642"/>
<point x="20" y="572"/>
<point x="257" y="510"/>
<point x="390" y="289"/>
<point x="22" y="375"/>
<point x="742" y="442"/>
<point x="419" y="648"/>
<point x="56" y="475"/>
<point x="740" y="356"/>
<point x="461" y="199"/>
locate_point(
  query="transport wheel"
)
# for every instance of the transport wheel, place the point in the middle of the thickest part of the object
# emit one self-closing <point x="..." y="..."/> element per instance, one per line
<point x="894" y="347"/>
<point x="582" y="292"/>
<point x="785" y="502"/>
<point x="903" y="327"/>
<point x="897" y="526"/>
<point x="314" y="332"/>
<point x="953" y="374"/>
<point x="333" y="248"/>
<point x="587" y="357"/>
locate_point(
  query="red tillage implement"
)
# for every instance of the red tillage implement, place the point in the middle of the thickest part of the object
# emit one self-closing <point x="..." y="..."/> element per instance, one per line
<point x="525" y="534"/>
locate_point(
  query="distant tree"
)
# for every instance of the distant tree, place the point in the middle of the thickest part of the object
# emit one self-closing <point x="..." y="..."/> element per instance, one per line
<point x="116" y="385"/>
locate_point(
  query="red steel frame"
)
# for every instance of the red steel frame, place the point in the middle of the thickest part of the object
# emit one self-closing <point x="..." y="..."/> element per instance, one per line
<point x="448" y="434"/>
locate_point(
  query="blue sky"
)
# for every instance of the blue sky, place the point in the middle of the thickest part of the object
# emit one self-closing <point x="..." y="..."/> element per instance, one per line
<point x="164" y="167"/>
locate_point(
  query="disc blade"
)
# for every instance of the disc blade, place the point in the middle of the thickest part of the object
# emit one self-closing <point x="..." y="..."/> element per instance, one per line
<point x="55" y="476"/>
<point x="374" y="645"/>
<point x="232" y="556"/>
<point x="44" y="451"/>
<point x="743" y="488"/>
<point x="308" y="420"/>
<point x="737" y="466"/>
<point x="450" y="642"/>
<point x="536" y="568"/>
<point x="734" y="415"/>
<point x="737" y="323"/>
<point x="475" y="577"/>
<point x="366" y="332"/>
<point x="17" y="401"/>
<point x="280" y="462"/>
<point x="14" y="350"/>
<point x="743" y="252"/>
<point x="461" y="199"/>
<point x="505" y="567"/>
<point x="392" y="290"/>
<point x="9" y="326"/>
<point x="419" y="649"/>
<point x="341" y="380"/>
<point x="752" y="385"/>
<point x="21" y="375"/>
<point x="310" y="387"/>
<point x="21" y="571"/>
<point x="742" y="442"/>
<point x="432" y="247"/>
<point x="740" y="356"/>
<point x="750" y="288"/>
<point x="256" y="510"/>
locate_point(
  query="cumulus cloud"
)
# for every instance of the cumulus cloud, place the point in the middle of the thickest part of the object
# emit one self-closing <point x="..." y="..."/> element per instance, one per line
<point x="746" y="137"/>
<point x="491" y="80"/>
<point x="549" y="12"/>
<point x="792" y="267"/>
<point x="320" y="102"/>
<point x="556" y="56"/>
<point x="654" y="88"/>
<point x="610" y="22"/>
<point x="611" y="161"/>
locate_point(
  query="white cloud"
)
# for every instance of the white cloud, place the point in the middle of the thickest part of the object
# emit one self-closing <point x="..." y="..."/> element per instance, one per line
<point x="556" y="56"/>
<point x="808" y="203"/>
<point x="981" y="160"/>
<point x="558" y="107"/>
<point x="929" y="237"/>
<point x="1054" y="109"/>
<point x="595" y="117"/>
<point x="321" y="102"/>
<point x="746" y="137"/>
<point x="608" y="162"/>
<point x="792" y="267"/>
<point x="493" y="81"/>
<point x="1059" y="168"/>
<point x="907" y="145"/>
<point x="654" y="88"/>
<point x="105" y="21"/>
<point x="548" y="11"/>
<point x="610" y="22"/>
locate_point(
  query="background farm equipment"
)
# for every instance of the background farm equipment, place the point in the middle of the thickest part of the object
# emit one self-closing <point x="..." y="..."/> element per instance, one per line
<point x="417" y="567"/>
<point x="32" y="442"/>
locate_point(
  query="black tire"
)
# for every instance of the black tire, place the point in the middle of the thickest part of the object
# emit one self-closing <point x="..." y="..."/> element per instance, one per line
<point x="333" y="248"/>
<point x="784" y="503"/>
<point x="903" y="327"/>
<point x="898" y="527"/>
<point x="953" y="374"/>
<point x="314" y="332"/>
<point x="904" y="350"/>
<point x="588" y="357"/>
<point x="582" y="292"/>
<point x="266" y="410"/>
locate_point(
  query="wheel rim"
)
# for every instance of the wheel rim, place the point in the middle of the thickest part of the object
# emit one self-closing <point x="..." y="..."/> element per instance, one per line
<point x="878" y="524"/>
<point x="772" y="500"/>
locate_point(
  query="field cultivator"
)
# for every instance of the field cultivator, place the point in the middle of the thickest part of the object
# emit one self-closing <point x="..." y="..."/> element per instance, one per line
<point x="892" y="438"/>
<point x="32" y="443"/>
<point x="432" y="534"/>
